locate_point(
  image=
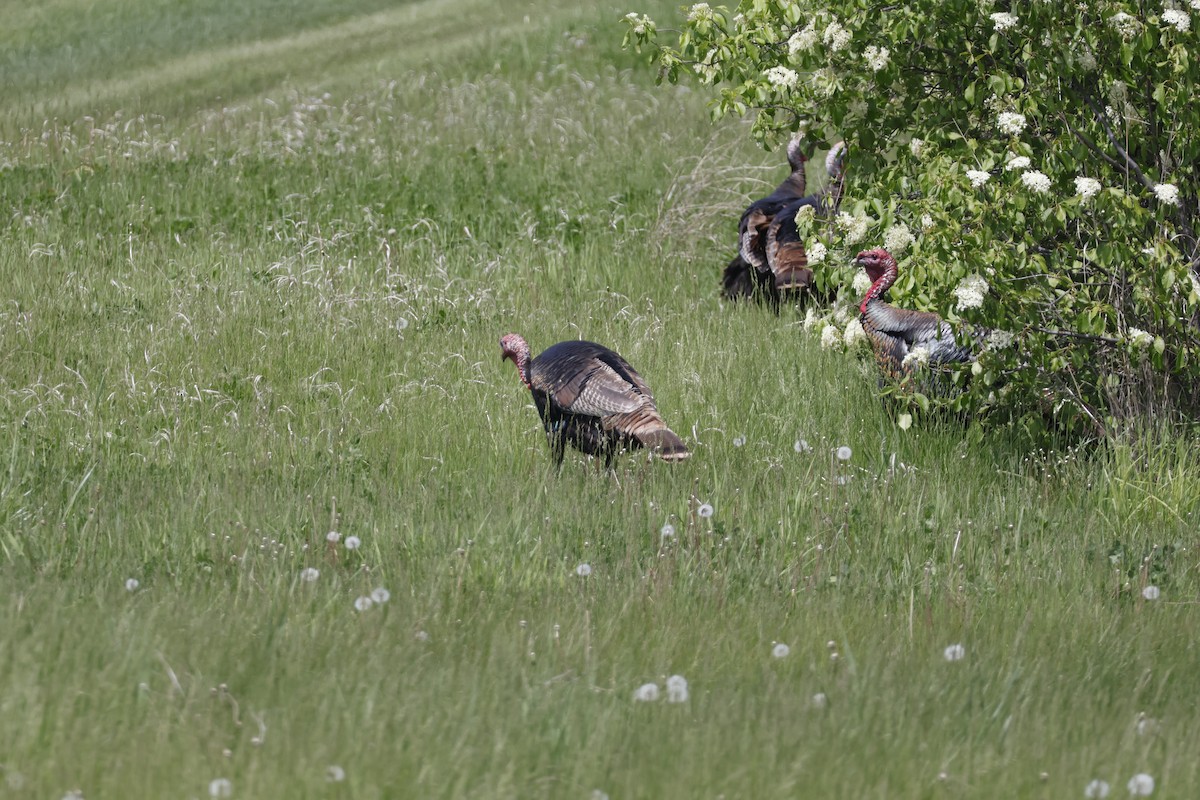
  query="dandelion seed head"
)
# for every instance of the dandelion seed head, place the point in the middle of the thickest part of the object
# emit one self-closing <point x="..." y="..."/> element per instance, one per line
<point x="819" y="700"/>
<point x="335" y="774"/>
<point x="738" y="441"/>
<point x="844" y="453"/>
<point x="363" y="603"/>
<point x="667" y="531"/>
<point x="352" y="543"/>
<point x="705" y="510"/>
<point x="1141" y="785"/>
<point x="220" y="787"/>
<point x="1096" y="788"/>
<point x="1151" y="592"/>
<point x="380" y="595"/>
<point x="132" y="584"/>
<point x="780" y="650"/>
<point x="955" y="652"/>
<point x="333" y="537"/>
<point x="583" y="570"/>
<point x="677" y="689"/>
<point x="309" y="574"/>
<point x="646" y="693"/>
<point x="801" y="446"/>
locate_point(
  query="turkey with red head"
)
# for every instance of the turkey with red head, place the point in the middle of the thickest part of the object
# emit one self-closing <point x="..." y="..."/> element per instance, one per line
<point x="591" y="398"/>
<point x="895" y="333"/>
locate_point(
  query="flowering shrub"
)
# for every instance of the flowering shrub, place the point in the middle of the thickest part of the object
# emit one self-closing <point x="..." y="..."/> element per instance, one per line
<point x="1033" y="170"/>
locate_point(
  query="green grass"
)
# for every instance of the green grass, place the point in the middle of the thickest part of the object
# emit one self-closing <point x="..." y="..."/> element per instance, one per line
<point x="256" y="260"/>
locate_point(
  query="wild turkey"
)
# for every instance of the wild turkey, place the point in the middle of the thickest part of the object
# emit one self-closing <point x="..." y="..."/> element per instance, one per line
<point x="771" y="258"/>
<point x="591" y="398"/>
<point x="894" y="333"/>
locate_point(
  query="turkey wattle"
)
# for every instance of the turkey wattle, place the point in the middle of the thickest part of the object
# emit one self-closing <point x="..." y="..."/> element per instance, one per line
<point x="591" y="398"/>
<point x="895" y="333"/>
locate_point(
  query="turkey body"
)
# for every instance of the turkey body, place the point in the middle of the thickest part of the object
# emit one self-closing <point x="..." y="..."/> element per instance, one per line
<point x="589" y="397"/>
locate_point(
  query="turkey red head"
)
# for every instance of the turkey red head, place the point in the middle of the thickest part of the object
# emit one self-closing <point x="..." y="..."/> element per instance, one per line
<point x="880" y="267"/>
<point x="514" y="346"/>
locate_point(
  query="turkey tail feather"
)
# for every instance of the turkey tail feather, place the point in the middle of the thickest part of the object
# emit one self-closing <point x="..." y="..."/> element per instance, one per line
<point x="663" y="440"/>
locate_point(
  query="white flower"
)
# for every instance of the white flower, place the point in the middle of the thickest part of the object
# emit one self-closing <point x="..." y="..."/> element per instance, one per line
<point x="782" y="76"/>
<point x="363" y="603"/>
<point x="854" y="333"/>
<point x="802" y="41"/>
<point x="1037" y="181"/>
<point x="1167" y="193"/>
<point x="978" y="177"/>
<point x="1087" y="187"/>
<point x="1000" y="339"/>
<point x="1096" y="788"/>
<point x="780" y="650"/>
<point x="309" y="574"/>
<point x="335" y="774"/>
<point x="333" y="537"/>
<point x="926" y="222"/>
<point x="706" y="69"/>
<point x="802" y="446"/>
<point x="380" y="595"/>
<point x="970" y="291"/>
<point x="836" y="37"/>
<point x="1177" y="19"/>
<point x="830" y="336"/>
<point x="916" y="147"/>
<point x="705" y="510"/>
<point x="738" y="441"/>
<point x="1191" y="275"/>
<point x="353" y="542"/>
<point x="1139" y="338"/>
<point x="220" y="787"/>
<point x="904" y="421"/>
<point x="917" y="357"/>
<point x="1010" y="123"/>
<point x="646" y="693"/>
<point x="667" y="531"/>
<point x="1196" y="5"/>
<point x="897" y="239"/>
<point x="955" y="652"/>
<point x="131" y="585"/>
<point x="421" y="636"/>
<point x="1004" y="20"/>
<point x="819" y="700"/>
<point x="677" y="689"/>
<point x="1151" y="592"/>
<point x="805" y="214"/>
<point x="1017" y="162"/>
<point x="583" y="570"/>
<point x="1087" y="60"/>
<point x="855" y="226"/>
<point x="876" y="57"/>
<point x="843" y="453"/>
<point x="1125" y="25"/>
<point x="699" y="12"/>
<point x="816" y="253"/>
<point x="810" y="319"/>
<point x="1141" y="785"/>
<point x="861" y="282"/>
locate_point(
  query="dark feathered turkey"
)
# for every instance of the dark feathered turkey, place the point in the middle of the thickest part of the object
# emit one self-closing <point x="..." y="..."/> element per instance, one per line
<point x="591" y="398"/>
<point x="771" y="259"/>
<point x="894" y="333"/>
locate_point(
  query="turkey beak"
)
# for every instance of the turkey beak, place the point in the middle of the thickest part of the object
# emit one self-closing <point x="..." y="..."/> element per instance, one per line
<point x="505" y="355"/>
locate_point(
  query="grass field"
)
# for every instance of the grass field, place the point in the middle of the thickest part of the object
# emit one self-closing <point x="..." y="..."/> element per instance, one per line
<point x="256" y="259"/>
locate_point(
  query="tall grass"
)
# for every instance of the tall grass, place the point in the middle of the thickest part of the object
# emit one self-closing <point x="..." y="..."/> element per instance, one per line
<point x="256" y="263"/>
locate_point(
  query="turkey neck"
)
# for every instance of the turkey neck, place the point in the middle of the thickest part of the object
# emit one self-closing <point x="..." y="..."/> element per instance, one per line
<point x="881" y="285"/>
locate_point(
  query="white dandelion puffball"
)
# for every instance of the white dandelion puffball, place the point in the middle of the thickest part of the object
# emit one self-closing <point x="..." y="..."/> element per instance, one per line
<point x="1179" y="20"/>
<point x="1151" y="592"/>
<point x="843" y="453"/>
<point x="782" y="77"/>
<point x="801" y="446"/>
<point x="380" y="595"/>
<point x="955" y="652"/>
<point x="876" y="57"/>
<point x="916" y="146"/>
<point x="1087" y="188"/>
<point x="1167" y="193"/>
<point x="1017" y="162"/>
<point x="978" y="177"/>
<point x="333" y="537"/>
<point x="819" y="700"/>
<point x="363" y="603"/>
<point x="897" y="239"/>
<point x="738" y="441"/>
<point x="401" y="323"/>
<point x="335" y="774"/>
<point x="220" y="787"/>
<point x="861" y="282"/>
<point x="583" y="570"/>
<point x="816" y="253"/>
<point x="352" y="542"/>
<point x="667" y="531"/>
<point x="646" y="693"/>
<point x="1010" y="123"/>
<point x="970" y="291"/>
<point x="309" y="574"/>
<point x="780" y="650"/>
<point x="1037" y="181"/>
<point x="677" y="689"/>
<point x="802" y="41"/>
<point x="1141" y="785"/>
<point x="904" y="421"/>
<point x="830" y="336"/>
<point x="836" y="37"/>
<point x="705" y="510"/>
<point x="131" y="585"/>
<point x="854" y="333"/>
<point x="1004" y="20"/>
<point x="1096" y="788"/>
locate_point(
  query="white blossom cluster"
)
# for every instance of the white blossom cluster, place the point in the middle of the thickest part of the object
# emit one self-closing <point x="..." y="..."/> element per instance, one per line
<point x="854" y="334"/>
<point x="1086" y="60"/>
<point x="897" y="239"/>
<point x="1179" y="20"/>
<point x="782" y="77"/>
<point x="1087" y="188"/>
<point x="830" y="337"/>
<point x="1017" y="162"/>
<point x="926" y="222"/>
<point x="854" y="226"/>
<point x="978" y="177"/>
<point x="805" y="215"/>
<point x="1167" y="193"/>
<point x="706" y="69"/>
<point x="917" y="357"/>
<point x="802" y="41"/>
<point x="1192" y="275"/>
<point x="1004" y="20"/>
<point x="861" y="282"/>
<point x="641" y="22"/>
<point x="1010" y="123"/>
<point x="1139" y="338"/>
<point x="816" y="253"/>
<point x="1125" y="25"/>
<point x="917" y="146"/>
<point x="876" y="57"/>
<point x="700" y="12"/>
<point x="998" y="339"/>
<point x="970" y="291"/>
<point x="1036" y="181"/>
<point x="836" y="37"/>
